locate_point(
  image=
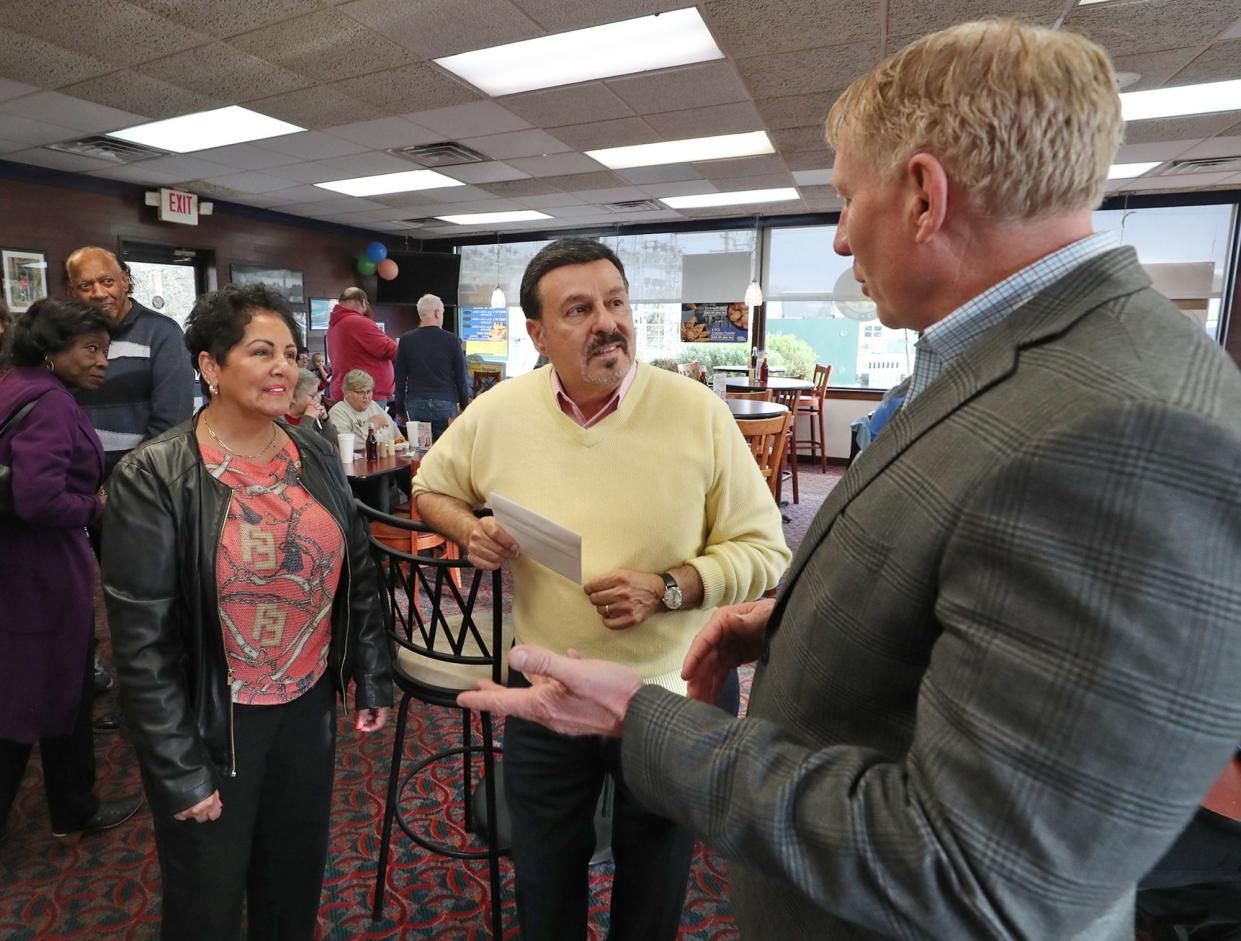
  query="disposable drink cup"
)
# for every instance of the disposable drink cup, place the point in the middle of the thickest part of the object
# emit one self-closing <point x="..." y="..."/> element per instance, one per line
<point x="344" y="444"/>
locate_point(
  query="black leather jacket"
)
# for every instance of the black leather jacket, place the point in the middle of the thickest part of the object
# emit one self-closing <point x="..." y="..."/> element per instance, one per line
<point x="161" y="532"/>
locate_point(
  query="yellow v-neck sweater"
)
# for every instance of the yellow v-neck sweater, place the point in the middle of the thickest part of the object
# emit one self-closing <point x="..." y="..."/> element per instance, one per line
<point x="665" y="480"/>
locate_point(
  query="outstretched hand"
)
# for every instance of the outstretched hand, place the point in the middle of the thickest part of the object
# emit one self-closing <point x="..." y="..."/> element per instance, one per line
<point x="732" y="636"/>
<point x="568" y="695"/>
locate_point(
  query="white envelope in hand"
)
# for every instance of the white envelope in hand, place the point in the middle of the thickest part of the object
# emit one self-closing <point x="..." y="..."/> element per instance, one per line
<point x="545" y="542"/>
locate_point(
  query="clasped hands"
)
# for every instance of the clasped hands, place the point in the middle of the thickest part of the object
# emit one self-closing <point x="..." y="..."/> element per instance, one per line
<point x="590" y="697"/>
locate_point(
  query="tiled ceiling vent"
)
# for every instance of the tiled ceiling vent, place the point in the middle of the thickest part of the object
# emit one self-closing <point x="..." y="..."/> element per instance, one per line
<point x="421" y="221"/>
<point x="442" y="154"/>
<point x="1203" y="165"/>
<point x="107" y="148"/>
<point x="633" y="205"/>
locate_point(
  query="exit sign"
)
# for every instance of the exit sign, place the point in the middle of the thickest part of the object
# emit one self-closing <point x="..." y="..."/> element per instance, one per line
<point x="176" y="206"/>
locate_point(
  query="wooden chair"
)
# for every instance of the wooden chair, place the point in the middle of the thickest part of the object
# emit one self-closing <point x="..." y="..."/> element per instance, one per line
<point x="764" y="396"/>
<point x="692" y="369"/>
<point x="788" y="398"/>
<point x="813" y="406"/>
<point x="767" y="438"/>
<point x="418" y="542"/>
<point x="439" y="653"/>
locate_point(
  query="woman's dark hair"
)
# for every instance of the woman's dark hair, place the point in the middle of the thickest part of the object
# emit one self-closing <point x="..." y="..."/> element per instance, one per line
<point x="49" y="326"/>
<point x="569" y="251"/>
<point x="219" y="318"/>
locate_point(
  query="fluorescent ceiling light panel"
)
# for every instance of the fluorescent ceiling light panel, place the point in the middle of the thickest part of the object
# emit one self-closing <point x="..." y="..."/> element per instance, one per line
<point x="1206" y="98"/>
<point x="675" y="38"/>
<point x="494" y="218"/>
<point x="685" y="151"/>
<point x="1127" y="171"/>
<point x="404" y="182"/>
<point x="739" y="198"/>
<point x="218" y="128"/>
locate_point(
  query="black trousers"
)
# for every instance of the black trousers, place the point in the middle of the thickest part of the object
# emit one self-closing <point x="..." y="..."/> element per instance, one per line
<point x="552" y="784"/>
<point x="270" y="844"/>
<point x="68" y="766"/>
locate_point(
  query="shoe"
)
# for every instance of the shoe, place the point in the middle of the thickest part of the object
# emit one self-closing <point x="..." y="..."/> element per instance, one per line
<point x="103" y="681"/>
<point x="110" y="814"/>
<point x="108" y="722"/>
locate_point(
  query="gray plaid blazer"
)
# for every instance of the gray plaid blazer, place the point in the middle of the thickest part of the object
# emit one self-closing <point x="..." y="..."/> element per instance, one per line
<point x="1006" y="663"/>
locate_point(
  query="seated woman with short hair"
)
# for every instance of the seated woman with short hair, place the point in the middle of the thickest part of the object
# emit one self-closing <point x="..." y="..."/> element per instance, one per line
<point x="358" y="412"/>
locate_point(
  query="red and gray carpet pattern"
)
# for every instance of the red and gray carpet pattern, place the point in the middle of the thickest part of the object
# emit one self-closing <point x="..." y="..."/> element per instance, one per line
<point x="107" y="887"/>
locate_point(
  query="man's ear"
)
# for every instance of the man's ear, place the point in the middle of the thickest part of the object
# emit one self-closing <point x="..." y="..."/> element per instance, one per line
<point x="534" y="329"/>
<point x="928" y="189"/>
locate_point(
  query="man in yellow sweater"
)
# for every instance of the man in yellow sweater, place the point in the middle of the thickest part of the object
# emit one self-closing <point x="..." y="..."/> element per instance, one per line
<point x="675" y="520"/>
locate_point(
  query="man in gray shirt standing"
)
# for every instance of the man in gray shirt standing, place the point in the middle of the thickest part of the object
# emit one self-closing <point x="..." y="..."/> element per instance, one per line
<point x="430" y="369"/>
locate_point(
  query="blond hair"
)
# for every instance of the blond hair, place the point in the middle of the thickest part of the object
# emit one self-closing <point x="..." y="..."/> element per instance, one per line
<point x="357" y="380"/>
<point x="1025" y="120"/>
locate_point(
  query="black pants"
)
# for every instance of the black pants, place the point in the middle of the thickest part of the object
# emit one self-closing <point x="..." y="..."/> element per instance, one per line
<point x="68" y="766"/>
<point x="552" y="785"/>
<point x="270" y="843"/>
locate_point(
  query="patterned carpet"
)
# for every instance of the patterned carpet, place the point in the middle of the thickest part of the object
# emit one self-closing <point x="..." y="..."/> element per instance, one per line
<point x="107" y="887"/>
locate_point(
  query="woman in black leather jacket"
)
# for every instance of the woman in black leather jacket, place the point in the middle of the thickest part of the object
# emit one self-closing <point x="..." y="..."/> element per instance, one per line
<point x="241" y="596"/>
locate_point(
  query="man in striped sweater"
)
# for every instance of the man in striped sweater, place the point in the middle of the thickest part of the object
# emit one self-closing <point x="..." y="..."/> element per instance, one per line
<point x="150" y="383"/>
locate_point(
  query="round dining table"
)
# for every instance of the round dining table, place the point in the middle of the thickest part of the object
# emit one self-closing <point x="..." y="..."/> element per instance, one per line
<point x="743" y="370"/>
<point x="369" y="479"/>
<point x="754" y="409"/>
<point x="774" y="383"/>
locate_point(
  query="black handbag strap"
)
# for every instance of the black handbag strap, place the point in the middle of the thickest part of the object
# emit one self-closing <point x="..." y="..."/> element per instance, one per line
<point x="17" y="416"/>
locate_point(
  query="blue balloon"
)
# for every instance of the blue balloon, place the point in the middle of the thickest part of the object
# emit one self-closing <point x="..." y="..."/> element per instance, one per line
<point x="376" y="252"/>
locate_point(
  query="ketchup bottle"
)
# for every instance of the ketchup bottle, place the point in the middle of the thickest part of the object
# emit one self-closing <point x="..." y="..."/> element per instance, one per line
<point x="372" y="445"/>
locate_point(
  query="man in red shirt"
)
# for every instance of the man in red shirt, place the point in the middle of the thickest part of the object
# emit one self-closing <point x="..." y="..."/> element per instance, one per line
<point x="354" y="341"/>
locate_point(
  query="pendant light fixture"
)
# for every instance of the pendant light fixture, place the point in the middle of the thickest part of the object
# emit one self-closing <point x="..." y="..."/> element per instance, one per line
<point x="497" y="296"/>
<point x="754" y="293"/>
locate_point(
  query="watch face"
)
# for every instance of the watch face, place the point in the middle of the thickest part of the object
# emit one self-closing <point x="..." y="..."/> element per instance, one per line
<point x="673" y="598"/>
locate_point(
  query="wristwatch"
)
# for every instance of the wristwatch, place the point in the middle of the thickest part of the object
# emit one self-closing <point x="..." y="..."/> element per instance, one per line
<point x="673" y="598"/>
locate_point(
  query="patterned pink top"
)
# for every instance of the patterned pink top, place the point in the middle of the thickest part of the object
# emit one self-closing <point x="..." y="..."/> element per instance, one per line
<point x="280" y="559"/>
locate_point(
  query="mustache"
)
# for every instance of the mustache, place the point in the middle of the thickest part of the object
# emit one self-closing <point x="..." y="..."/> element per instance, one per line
<point x="607" y="340"/>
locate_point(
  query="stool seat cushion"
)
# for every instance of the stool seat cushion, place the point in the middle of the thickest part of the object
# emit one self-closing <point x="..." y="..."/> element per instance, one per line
<point x="445" y="675"/>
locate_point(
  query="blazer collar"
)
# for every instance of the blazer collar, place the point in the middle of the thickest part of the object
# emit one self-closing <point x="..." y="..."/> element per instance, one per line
<point x="992" y="359"/>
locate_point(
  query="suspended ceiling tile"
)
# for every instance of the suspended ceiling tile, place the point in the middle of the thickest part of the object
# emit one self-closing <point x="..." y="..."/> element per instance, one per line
<point x="300" y="195"/>
<point x="243" y="157"/>
<point x="27" y="131"/>
<point x="806" y="178"/>
<point x="796" y="110"/>
<point x="792" y="140"/>
<point x="558" y="16"/>
<point x="42" y="157"/>
<point x="1219" y="63"/>
<point x="137" y="173"/>
<point x="26" y="57"/>
<point x="766" y="181"/>
<point x="764" y="165"/>
<point x="615" y="194"/>
<point x="690" y="86"/>
<point x="1185" y="182"/>
<point x="808" y="160"/>
<point x="1127" y="28"/>
<point x="549" y="202"/>
<point x="10" y="89"/>
<point x="491" y="172"/>
<point x="618" y="133"/>
<point x="131" y="34"/>
<point x="9" y="145"/>
<point x="254" y="182"/>
<point x="372" y="163"/>
<point x="917" y="16"/>
<point x="326" y="46"/>
<point x="434" y="28"/>
<point x="315" y="107"/>
<point x="133" y="91"/>
<point x="407" y="201"/>
<point x="680" y="188"/>
<point x="310" y="145"/>
<point x="230" y="17"/>
<point x="85" y="116"/>
<point x="417" y="87"/>
<point x="555" y="164"/>
<point x="737" y="118"/>
<point x="807" y="71"/>
<point x="475" y="119"/>
<point x="1143" y="153"/>
<point x="309" y="172"/>
<point x="1195" y="127"/>
<point x="340" y="204"/>
<point x="751" y="26"/>
<point x="576" y="104"/>
<point x="574" y="182"/>
<point x="533" y="143"/>
<point x="664" y="173"/>
<point x="188" y="167"/>
<point x="217" y="70"/>
<point x="384" y="133"/>
<point x="1216" y="147"/>
<point x="1155" y="67"/>
<point x="457" y="194"/>
<point x="512" y="189"/>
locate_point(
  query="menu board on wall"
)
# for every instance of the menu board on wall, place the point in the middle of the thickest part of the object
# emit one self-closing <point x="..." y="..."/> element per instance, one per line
<point x="485" y="330"/>
<point x="715" y="322"/>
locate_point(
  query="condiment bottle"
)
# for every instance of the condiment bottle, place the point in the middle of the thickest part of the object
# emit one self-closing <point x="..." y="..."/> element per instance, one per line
<point x="372" y="444"/>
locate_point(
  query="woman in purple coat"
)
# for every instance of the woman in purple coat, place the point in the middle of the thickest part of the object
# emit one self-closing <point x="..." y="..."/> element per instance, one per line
<point x="48" y="569"/>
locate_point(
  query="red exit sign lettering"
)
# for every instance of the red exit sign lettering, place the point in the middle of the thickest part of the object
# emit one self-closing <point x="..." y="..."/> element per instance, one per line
<point x="176" y="206"/>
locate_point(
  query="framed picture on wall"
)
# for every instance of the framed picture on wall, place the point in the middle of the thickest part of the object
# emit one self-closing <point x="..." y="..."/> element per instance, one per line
<point x="285" y="280"/>
<point x="320" y="307"/>
<point x="25" y="277"/>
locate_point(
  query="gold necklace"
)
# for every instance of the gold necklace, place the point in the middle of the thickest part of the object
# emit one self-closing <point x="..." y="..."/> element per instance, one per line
<point x="245" y="457"/>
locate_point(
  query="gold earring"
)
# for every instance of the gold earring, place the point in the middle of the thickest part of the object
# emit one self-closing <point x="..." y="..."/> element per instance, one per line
<point x="212" y="389"/>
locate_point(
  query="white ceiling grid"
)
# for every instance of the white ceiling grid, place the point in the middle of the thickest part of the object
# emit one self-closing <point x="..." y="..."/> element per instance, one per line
<point x="359" y="76"/>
